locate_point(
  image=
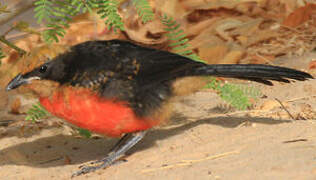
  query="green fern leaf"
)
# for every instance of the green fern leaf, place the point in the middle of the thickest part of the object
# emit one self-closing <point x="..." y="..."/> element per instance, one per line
<point x="57" y="14"/>
<point x="144" y="10"/>
<point x="54" y="31"/>
<point x="109" y="9"/>
<point x="43" y="10"/>
<point x="177" y="38"/>
<point x="36" y="112"/>
<point x="84" y="132"/>
<point x="236" y="95"/>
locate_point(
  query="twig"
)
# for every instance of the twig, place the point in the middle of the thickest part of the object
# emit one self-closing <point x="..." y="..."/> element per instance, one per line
<point x="8" y="43"/>
<point x="295" y="140"/>
<point x="190" y="162"/>
<point x="300" y="98"/>
<point x="7" y="32"/>
<point x="285" y="108"/>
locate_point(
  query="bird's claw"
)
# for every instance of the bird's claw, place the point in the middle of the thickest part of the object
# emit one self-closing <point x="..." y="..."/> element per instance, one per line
<point x="105" y="163"/>
<point x="85" y="170"/>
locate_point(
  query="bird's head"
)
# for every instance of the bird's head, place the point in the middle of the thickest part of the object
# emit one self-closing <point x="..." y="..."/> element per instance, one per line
<point x="48" y="69"/>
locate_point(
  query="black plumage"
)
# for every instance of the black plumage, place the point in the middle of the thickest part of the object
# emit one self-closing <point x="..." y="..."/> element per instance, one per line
<point x="143" y="76"/>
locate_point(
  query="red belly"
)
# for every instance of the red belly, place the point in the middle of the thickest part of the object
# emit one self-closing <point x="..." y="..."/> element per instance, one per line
<point x="85" y="109"/>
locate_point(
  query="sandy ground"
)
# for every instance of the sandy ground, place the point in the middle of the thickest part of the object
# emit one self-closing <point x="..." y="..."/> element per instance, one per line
<point x="205" y="140"/>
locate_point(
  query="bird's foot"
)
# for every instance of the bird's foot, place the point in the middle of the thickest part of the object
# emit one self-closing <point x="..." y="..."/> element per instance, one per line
<point x="119" y="150"/>
<point x="86" y="169"/>
<point x="95" y="165"/>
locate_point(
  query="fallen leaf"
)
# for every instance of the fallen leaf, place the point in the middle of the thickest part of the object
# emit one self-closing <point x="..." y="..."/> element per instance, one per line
<point x="243" y="40"/>
<point x="15" y="106"/>
<point x="312" y="65"/>
<point x="300" y="15"/>
<point x="260" y="36"/>
<point x="213" y="54"/>
<point x="233" y="57"/>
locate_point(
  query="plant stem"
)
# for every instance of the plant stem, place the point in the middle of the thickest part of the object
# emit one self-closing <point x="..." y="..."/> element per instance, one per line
<point x="8" y="43"/>
<point x="7" y="32"/>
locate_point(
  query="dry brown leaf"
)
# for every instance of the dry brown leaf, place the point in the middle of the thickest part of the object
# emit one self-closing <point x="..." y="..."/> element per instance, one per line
<point x="206" y="37"/>
<point x="88" y="26"/>
<point x="227" y="24"/>
<point x="300" y="15"/>
<point x="173" y="8"/>
<point x="149" y="33"/>
<point x="233" y="57"/>
<point x="243" y="40"/>
<point x="247" y="28"/>
<point x="290" y="5"/>
<point x="135" y="30"/>
<point x="210" y="4"/>
<point x="312" y="65"/>
<point x="15" y="106"/>
<point x="262" y="35"/>
<point x="213" y="54"/>
<point x="196" y="29"/>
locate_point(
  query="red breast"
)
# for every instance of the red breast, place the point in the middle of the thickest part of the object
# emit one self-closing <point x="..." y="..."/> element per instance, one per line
<point x="87" y="110"/>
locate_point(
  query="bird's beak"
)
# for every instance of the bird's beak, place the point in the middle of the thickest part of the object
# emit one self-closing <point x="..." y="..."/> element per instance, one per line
<point x="18" y="81"/>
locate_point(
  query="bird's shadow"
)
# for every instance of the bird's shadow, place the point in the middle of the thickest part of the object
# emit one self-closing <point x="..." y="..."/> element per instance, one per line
<point x="59" y="150"/>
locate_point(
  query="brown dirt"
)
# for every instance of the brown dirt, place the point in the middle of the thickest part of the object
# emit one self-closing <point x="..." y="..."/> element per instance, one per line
<point x="205" y="140"/>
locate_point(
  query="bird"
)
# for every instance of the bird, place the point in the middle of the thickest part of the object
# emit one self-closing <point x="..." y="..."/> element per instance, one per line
<point x="120" y="89"/>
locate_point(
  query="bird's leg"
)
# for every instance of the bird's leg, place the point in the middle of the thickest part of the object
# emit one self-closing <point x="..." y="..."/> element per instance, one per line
<point x="119" y="150"/>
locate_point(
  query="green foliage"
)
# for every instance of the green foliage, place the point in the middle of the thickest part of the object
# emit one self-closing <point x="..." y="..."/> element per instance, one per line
<point x="109" y="9"/>
<point x="236" y="95"/>
<point x="36" y="112"/>
<point x="58" y="13"/>
<point x="84" y="5"/>
<point x="84" y="132"/>
<point x="144" y="10"/>
<point x="178" y="38"/>
<point x="43" y="10"/>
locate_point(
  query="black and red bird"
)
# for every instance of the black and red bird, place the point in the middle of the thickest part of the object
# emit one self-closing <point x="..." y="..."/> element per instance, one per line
<point x="117" y="88"/>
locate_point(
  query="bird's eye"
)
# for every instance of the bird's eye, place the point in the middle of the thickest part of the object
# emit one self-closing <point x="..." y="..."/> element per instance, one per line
<point x="43" y="69"/>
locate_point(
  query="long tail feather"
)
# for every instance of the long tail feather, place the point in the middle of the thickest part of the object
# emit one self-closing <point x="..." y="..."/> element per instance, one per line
<point x="253" y="72"/>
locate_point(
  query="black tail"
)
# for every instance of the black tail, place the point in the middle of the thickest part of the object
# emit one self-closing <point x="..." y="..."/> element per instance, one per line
<point x="253" y="72"/>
